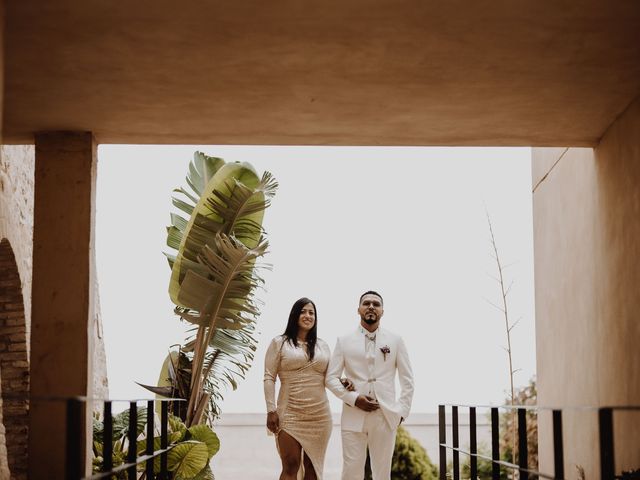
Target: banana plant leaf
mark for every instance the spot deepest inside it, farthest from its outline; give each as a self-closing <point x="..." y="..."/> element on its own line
<point x="233" y="200"/>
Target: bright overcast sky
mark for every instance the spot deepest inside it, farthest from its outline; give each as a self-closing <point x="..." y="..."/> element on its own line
<point x="407" y="222"/>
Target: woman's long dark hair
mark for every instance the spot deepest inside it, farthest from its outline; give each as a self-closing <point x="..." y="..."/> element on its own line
<point x="291" y="332"/>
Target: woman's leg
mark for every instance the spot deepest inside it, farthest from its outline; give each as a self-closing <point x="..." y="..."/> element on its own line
<point x="309" y="471"/>
<point x="290" y="451"/>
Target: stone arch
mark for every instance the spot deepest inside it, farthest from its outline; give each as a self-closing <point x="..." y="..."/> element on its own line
<point x="14" y="363"/>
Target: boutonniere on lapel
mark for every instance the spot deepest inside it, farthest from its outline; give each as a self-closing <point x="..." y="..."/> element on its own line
<point x="385" y="351"/>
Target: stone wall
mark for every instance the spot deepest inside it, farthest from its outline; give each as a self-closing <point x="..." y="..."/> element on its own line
<point x="14" y="365"/>
<point x="4" y="464"/>
<point x="16" y="212"/>
<point x="16" y="233"/>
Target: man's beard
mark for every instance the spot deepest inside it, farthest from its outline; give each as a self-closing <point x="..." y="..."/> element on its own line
<point x="370" y="321"/>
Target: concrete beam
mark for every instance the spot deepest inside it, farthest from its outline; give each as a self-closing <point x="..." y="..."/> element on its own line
<point x="326" y="72"/>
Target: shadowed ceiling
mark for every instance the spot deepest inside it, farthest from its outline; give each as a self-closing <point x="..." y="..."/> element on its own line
<point x="321" y="72"/>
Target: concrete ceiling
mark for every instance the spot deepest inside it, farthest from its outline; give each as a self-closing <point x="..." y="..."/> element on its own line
<point x="321" y="72"/>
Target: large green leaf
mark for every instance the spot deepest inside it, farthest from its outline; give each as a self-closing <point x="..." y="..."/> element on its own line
<point x="230" y="279"/>
<point x="176" y="425"/>
<point x="188" y="458"/>
<point x="172" y="437"/>
<point x="203" y="433"/>
<point x="205" y="474"/>
<point x="233" y="202"/>
<point x="98" y="430"/>
<point x="208" y="218"/>
<point x="121" y="422"/>
<point x="201" y="169"/>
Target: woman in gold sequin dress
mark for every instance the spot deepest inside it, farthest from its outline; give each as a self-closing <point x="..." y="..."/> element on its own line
<point x="301" y="419"/>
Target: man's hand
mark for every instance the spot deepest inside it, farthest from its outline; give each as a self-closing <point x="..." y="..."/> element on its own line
<point x="273" y="422"/>
<point x="348" y="384"/>
<point x="367" y="403"/>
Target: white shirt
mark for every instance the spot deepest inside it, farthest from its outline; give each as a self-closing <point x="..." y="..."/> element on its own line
<point x="370" y="355"/>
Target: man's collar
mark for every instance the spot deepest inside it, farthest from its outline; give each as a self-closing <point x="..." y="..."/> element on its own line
<point x="364" y="331"/>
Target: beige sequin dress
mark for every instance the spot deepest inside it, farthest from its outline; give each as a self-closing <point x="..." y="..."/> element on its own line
<point x="303" y="408"/>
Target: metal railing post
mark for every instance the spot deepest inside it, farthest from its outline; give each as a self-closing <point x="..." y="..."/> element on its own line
<point x="473" y="444"/>
<point x="523" y="451"/>
<point x="607" y="462"/>
<point x="75" y="433"/>
<point x="495" y="444"/>
<point x="150" y="440"/>
<point x="558" y="446"/>
<point x="456" y="443"/>
<point x="132" y="435"/>
<point x="164" y="420"/>
<point x="107" y="438"/>
<point x="443" y="440"/>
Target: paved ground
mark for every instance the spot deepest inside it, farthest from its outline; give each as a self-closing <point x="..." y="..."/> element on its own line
<point x="247" y="451"/>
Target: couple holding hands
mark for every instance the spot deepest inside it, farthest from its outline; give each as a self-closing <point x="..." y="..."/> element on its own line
<point x="369" y="357"/>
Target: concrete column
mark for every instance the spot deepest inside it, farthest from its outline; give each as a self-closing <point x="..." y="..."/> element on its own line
<point x="63" y="279"/>
<point x="586" y="209"/>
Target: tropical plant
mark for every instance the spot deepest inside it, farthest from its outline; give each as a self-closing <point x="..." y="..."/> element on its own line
<point x="410" y="460"/>
<point x="214" y="276"/>
<point x="191" y="448"/>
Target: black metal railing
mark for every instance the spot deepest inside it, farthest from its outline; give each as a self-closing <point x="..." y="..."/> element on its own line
<point x="606" y="443"/>
<point x="75" y="449"/>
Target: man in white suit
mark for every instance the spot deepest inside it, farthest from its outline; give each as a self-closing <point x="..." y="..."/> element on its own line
<point x="371" y="413"/>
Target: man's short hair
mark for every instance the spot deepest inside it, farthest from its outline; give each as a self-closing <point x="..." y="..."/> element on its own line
<point x="371" y="292"/>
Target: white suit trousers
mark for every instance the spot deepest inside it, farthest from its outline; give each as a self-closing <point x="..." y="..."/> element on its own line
<point x="379" y="437"/>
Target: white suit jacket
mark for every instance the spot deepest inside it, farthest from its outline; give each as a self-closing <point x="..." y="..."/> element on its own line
<point x="349" y="357"/>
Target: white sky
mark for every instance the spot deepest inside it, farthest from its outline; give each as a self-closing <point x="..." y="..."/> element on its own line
<point x="408" y="222"/>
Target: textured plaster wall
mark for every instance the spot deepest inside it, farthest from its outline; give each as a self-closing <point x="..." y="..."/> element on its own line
<point x="586" y="209"/>
<point x="100" y="379"/>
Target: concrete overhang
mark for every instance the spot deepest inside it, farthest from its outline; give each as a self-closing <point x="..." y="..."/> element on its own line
<point x="321" y="72"/>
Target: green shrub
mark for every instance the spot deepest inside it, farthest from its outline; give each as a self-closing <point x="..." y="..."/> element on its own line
<point x="410" y="460"/>
<point x="485" y="467"/>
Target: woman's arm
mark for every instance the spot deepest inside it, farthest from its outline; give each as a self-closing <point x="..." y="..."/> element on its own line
<point x="271" y="364"/>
